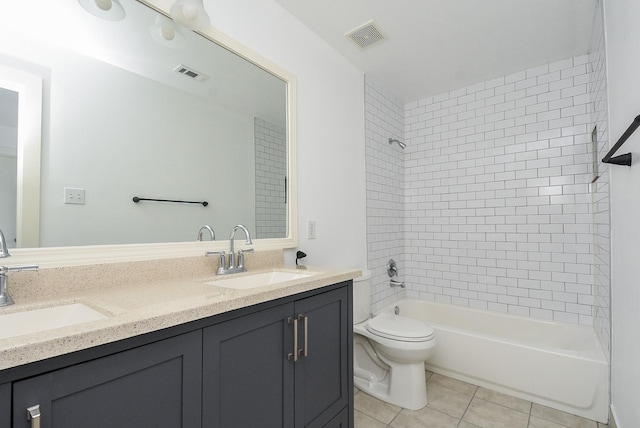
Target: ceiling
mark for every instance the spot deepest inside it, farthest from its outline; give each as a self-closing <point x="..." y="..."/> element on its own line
<point x="435" y="46"/>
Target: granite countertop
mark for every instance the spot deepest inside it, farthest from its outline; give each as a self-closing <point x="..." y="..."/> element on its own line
<point x="136" y="308"/>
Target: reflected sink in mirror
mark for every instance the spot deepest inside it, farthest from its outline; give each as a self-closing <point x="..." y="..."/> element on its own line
<point x="35" y="320"/>
<point x="262" y="279"/>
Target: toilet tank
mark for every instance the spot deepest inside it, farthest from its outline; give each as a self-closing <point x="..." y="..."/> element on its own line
<point x="362" y="297"/>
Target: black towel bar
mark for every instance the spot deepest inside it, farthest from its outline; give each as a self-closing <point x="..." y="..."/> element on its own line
<point x="626" y="158"/>
<point x="137" y="199"/>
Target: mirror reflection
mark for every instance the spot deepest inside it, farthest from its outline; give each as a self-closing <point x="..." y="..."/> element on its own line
<point x="140" y="107"/>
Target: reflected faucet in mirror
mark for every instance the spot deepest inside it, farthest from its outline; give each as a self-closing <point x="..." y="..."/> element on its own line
<point x="5" y="298"/>
<point x="211" y="232"/>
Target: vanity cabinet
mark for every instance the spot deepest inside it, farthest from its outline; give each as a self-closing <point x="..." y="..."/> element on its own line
<point x="156" y="385"/>
<point x="252" y="378"/>
<point x="5" y="405"/>
<point x="229" y="370"/>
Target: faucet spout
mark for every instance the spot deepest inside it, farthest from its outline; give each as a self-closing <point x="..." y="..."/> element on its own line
<point x="247" y="236"/>
<point x="4" y="252"/>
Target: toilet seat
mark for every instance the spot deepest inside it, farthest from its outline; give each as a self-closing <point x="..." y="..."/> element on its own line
<point x="397" y="327"/>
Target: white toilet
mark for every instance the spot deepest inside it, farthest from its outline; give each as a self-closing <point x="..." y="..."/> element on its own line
<point x="389" y="352"/>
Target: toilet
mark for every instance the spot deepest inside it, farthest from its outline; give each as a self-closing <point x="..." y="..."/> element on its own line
<point x="389" y="352"/>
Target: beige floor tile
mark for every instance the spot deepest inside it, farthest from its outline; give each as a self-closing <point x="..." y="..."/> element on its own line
<point x="562" y="418"/>
<point x="363" y="421"/>
<point x="535" y="422"/>
<point x="449" y="396"/>
<point x="424" y="417"/>
<point x="464" y="424"/>
<point x="491" y="415"/>
<point x="504" y="400"/>
<point x="377" y="409"/>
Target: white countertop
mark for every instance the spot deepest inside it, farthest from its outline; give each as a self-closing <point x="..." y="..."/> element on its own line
<point x="137" y="308"/>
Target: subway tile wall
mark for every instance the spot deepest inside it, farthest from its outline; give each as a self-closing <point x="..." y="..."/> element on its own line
<point x="384" y="119"/>
<point x="600" y="190"/>
<point x="271" y="169"/>
<point x="497" y="201"/>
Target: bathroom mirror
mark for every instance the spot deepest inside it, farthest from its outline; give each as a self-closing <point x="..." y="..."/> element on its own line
<point x="142" y="108"/>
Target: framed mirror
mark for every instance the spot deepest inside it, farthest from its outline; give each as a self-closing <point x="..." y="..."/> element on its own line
<point x="195" y="127"/>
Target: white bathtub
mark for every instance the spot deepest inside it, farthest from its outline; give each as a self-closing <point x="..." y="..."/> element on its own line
<point x="559" y="365"/>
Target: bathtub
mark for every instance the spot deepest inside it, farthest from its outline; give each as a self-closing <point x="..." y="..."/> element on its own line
<point x="559" y="365"/>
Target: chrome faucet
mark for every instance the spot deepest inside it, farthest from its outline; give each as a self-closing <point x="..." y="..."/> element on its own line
<point x="233" y="267"/>
<point x="5" y="299"/>
<point x="206" y="227"/>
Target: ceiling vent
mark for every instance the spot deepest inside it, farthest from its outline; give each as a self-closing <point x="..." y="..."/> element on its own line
<point x="365" y="35"/>
<point x="191" y="73"/>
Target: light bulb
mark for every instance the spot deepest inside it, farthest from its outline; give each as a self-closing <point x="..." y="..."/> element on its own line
<point x="190" y="12"/>
<point x="168" y="33"/>
<point x="105" y="5"/>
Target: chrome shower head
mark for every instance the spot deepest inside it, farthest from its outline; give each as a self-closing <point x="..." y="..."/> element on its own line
<point x="400" y="143"/>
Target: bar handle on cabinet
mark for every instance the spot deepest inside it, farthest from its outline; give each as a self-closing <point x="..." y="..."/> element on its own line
<point x="33" y="415"/>
<point x="293" y="356"/>
<point x="305" y="352"/>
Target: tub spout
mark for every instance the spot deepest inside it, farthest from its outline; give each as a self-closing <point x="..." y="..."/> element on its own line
<point x="395" y="283"/>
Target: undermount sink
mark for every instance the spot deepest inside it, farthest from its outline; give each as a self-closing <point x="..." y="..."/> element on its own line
<point x="247" y="282"/>
<point x="35" y="320"/>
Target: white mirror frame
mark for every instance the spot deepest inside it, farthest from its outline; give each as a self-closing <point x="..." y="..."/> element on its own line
<point x="94" y="254"/>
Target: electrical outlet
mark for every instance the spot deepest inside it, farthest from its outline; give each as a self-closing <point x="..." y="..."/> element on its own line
<point x="73" y="196"/>
<point x="311" y="229"/>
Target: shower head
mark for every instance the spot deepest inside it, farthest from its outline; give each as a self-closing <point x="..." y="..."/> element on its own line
<point x="400" y="143"/>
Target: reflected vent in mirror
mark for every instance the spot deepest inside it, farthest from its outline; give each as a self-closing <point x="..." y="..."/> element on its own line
<point x="191" y="73"/>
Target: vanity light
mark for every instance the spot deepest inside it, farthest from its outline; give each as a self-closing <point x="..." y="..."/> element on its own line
<point x="190" y="13"/>
<point x="111" y="10"/>
<point x="167" y="33"/>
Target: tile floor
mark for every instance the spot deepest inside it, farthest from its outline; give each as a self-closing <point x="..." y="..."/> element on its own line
<point x="453" y="403"/>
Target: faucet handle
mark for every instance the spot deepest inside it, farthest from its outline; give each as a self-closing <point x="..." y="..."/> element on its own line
<point x="20" y="267"/>
<point x="222" y="262"/>
<point x="241" y="256"/>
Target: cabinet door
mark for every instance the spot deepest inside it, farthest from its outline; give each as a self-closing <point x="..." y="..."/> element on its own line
<point x="322" y="377"/>
<point x="156" y="385"/>
<point x="5" y="405"/>
<point x="247" y="378"/>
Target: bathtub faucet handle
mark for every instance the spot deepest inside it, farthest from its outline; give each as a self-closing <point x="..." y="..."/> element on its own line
<point x="392" y="268"/>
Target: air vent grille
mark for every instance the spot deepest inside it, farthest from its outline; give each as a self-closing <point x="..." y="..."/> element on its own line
<point x="365" y="35"/>
<point x="191" y="73"/>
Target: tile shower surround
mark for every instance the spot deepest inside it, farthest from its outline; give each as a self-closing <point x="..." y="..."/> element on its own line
<point x="497" y="205"/>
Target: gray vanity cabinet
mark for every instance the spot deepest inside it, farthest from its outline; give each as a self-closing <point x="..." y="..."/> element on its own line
<point x="250" y="378"/>
<point x="5" y="405"/>
<point x="155" y="385"/>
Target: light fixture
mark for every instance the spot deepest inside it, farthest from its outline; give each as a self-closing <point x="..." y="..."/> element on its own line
<point x="190" y="13"/>
<point x="111" y="10"/>
<point x="167" y="33"/>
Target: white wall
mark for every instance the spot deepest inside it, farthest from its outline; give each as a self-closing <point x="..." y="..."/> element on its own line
<point x="623" y="66"/>
<point x="331" y="178"/>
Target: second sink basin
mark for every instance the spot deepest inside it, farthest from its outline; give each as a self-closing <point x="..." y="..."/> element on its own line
<point x="247" y="282"/>
<point x="32" y="321"/>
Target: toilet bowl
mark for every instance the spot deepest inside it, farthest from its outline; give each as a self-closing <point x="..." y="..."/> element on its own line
<point x="389" y="352"/>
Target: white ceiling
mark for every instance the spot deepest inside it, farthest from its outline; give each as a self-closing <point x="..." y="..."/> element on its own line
<point x="434" y="46"/>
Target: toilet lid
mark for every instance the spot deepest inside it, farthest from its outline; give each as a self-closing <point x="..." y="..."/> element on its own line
<point x="398" y="327"/>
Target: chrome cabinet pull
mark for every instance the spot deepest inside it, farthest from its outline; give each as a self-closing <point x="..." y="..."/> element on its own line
<point x="305" y="352"/>
<point x="294" y="356"/>
<point x="33" y="415"/>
